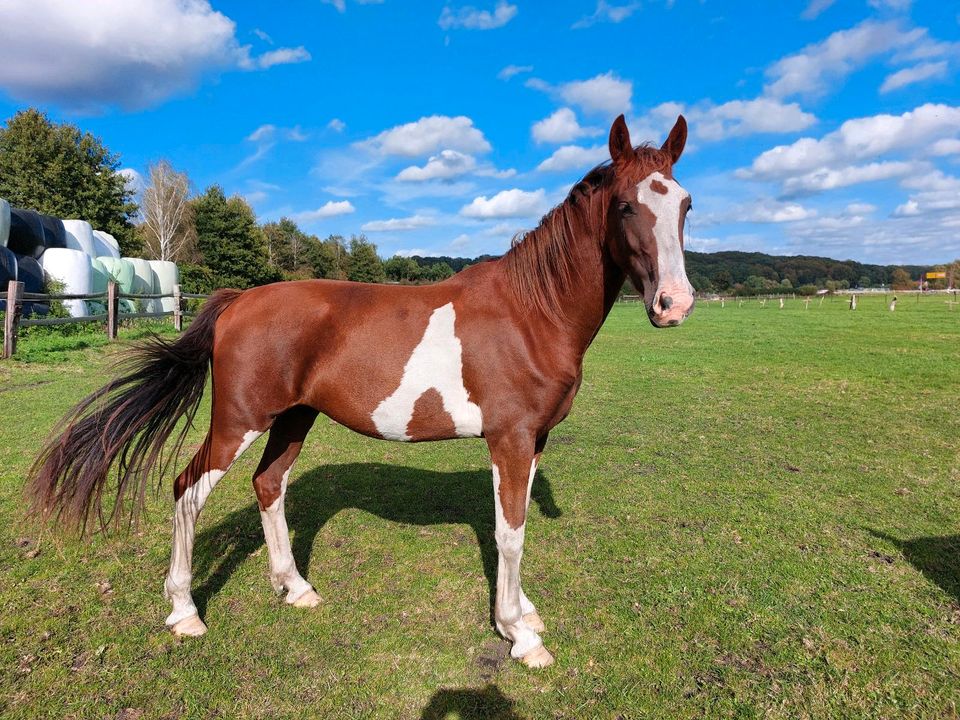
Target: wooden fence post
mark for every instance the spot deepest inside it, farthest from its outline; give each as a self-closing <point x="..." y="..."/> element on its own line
<point x="11" y="321"/>
<point x="177" y="308"/>
<point x="113" y="310"/>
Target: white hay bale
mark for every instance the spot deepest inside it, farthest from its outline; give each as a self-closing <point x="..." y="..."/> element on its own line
<point x="167" y="276"/>
<point x="4" y="222"/>
<point x="105" y="244"/>
<point x="144" y="282"/>
<point x="80" y="237"/>
<point x="73" y="269"/>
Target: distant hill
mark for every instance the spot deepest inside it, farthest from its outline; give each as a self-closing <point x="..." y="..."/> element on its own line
<point x="725" y="271"/>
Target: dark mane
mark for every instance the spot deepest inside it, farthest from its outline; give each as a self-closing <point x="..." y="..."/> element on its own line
<point x="541" y="263"/>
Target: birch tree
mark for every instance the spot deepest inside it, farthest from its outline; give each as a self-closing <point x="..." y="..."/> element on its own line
<point x="166" y="212"/>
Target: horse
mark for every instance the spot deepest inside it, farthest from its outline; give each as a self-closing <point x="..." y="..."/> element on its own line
<point x="496" y="351"/>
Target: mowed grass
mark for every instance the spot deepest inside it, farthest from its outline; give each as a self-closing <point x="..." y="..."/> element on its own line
<point x="756" y="514"/>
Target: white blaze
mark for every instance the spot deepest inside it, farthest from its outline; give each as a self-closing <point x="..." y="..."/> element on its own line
<point x="435" y="364"/>
<point x="666" y="209"/>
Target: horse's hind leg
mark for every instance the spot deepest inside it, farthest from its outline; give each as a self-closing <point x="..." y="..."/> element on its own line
<point x="191" y="489"/>
<point x="270" y="483"/>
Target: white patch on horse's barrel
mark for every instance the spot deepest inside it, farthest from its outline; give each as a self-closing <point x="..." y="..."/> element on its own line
<point x="436" y="363"/>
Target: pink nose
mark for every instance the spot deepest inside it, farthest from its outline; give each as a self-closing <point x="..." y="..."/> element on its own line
<point x="669" y="310"/>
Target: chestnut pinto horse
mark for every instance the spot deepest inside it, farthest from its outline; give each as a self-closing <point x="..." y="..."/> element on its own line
<point x="495" y="352"/>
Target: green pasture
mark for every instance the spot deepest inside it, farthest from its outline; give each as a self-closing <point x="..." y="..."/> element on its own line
<point x="754" y="515"/>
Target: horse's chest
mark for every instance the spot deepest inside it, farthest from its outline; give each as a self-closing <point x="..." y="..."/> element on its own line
<point x="431" y="402"/>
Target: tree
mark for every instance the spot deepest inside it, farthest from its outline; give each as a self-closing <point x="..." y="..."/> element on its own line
<point x="229" y="241"/>
<point x="60" y="171"/>
<point x="328" y="258"/>
<point x="286" y="245"/>
<point x="439" y="271"/>
<point x="900" y="279"/>
<point x="167" y="220"/>
<point x="402" y="269"/>
<point x="364" y="264"/>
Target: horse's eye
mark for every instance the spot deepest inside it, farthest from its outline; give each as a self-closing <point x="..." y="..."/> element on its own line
<point x="626" y="208"/>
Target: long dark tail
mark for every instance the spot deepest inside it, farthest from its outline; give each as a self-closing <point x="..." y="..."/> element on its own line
<point x="128" y="420"/>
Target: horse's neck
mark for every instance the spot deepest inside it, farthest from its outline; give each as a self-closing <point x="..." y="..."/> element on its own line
<point x="587" y="298"/>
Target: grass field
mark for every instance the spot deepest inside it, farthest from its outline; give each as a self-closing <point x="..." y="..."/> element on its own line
<point x="756" y="514"/>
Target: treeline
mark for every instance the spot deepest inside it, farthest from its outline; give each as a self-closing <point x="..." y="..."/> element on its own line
<point x="746" y="273"/>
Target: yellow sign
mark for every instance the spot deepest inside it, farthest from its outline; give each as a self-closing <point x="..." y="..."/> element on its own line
<point x="938" y="275"/>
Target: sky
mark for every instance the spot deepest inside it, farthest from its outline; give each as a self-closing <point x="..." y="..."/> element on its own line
<point x="817" y="127"/>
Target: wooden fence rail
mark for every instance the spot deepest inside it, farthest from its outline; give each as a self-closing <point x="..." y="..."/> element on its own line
<point x="15" y="298"/>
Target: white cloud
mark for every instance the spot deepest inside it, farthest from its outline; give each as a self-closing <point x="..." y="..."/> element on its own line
<point x="738" y="118"/>
<point x="337" y="125"/>
<point x="772" y="211"/>
<point x="413" y="222"/>
<point x="858" y="140"/>
<point x="815" y="7"/>
<point x="133" y="181"/>
<point x="471" y="18"/>
<point x="561" y="127"/>
<point x="447" y="164"/>
<point x="86" y="56"/>
<point x="341" y="5"/>
<point x="895" y="5"/>
<point x="280" y="56"/>
<point x="605" y="94"/>
<point x="910" y="207"/>
<point x="935" y="191"/>
<point x="833" y="178"/>
<point x="574" y="157"/>
<point x="330" y="209"/>
<point x="606" y="12"/>
<point x="915" y="74"/>
<point x="507" y="204"/>
<point x="860" y="209"/>
<point x="510" y="70"/>
<point x="428" y="135"/>
<point x="947" y="146"/>
<point x="812" y="70"/>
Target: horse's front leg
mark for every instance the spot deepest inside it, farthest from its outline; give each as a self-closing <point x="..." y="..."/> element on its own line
<point x="514" y="464"/>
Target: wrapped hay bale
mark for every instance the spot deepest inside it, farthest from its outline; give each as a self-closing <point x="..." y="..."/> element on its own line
<point x="99" y="277"/>
<point x="121" y="270"/>
<point x="80" y="236"/>
<point x="72" y="268"/>
<point x="8" y="271"/>
<point x="54" y="234"/>
<point x="4" y="222"/>
<point x="30" y="274"/>
<point x="105" y="244"/>
<point x="167" y="276"/>
<point x="144" y="282"/>
<point x="26" y="234"/>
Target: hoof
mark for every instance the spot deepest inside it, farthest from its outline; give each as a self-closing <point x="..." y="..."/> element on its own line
<point x="308" y="600"/>
<point x="534" y="622"/>
<point x="539" y="657"/>
<point x="189" y="627"/>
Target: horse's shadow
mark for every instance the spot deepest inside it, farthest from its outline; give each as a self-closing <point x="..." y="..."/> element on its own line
<point x="399" y="494"/>
<point x="936" y="557"/>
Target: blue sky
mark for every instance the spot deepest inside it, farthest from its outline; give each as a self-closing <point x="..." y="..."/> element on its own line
<point x="818" y="127"/>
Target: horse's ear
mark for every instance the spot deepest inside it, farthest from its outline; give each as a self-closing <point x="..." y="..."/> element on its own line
<point x="620" y="147"/>
<point x="676" y="140"/>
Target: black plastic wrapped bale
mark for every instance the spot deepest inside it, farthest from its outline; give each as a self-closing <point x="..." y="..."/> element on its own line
<point x="30" y="274"/>
<point x="54" y="234"/>
<point x="8" y="271"/>
<point x="27" y="236"/>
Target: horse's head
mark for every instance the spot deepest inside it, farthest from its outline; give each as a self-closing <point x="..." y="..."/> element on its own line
<point x="645" y="222"/>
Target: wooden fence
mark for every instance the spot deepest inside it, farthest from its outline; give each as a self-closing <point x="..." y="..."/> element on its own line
<point x="16" y="297"/>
